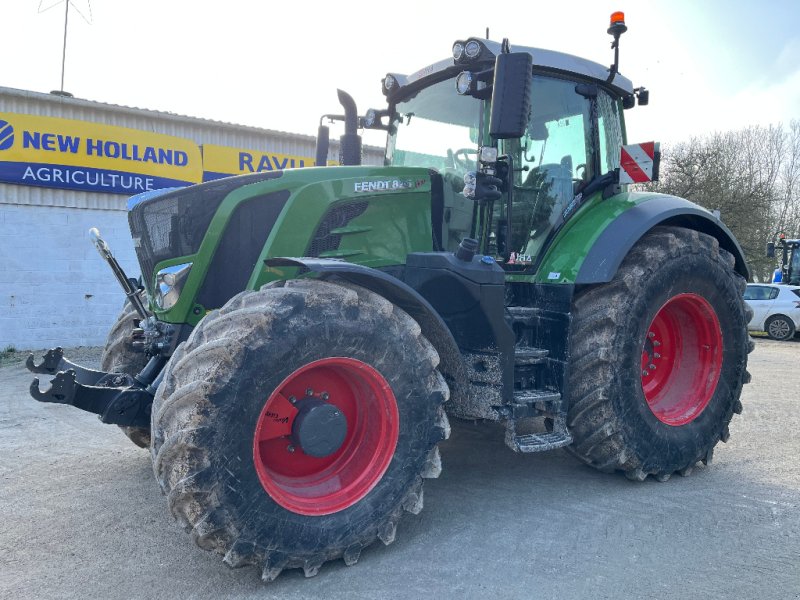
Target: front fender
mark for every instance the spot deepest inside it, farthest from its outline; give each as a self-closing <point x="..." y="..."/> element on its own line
<point x="395" y="291"/>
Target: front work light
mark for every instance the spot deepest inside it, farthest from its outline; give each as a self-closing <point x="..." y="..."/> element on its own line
<point x="487" y="155"/>
<point x="464" y="82"/>
<point x="458" y="50"/>
<point x="389" y="83"/>
<point x="472" y="49"/>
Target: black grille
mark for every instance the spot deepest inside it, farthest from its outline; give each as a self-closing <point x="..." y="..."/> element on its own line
<point x="175" y="224"/>
<point x="338" y="216"/>
<point x="237" y="252"/>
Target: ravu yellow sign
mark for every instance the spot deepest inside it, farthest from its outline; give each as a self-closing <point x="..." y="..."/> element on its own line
<point x="223" y="161"/>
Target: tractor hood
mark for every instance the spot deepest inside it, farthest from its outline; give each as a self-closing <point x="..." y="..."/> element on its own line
<point x="218" y="234"/>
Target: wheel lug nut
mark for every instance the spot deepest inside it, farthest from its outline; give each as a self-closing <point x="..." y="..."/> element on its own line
<point x="324" y="395"/>
<point x="651" y="366"/>
<point x="290" y="448"/>
<point x="656" y="343"/>
<point x="651" y="335"/>
<point x="292" y="399"/>
<point x="645" y="372"/>
<point x="309" y="392"/>
<point x="656" y="355"/>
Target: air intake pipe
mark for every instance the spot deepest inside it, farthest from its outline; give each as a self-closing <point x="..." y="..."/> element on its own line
<point x="350" y="149"/>
<point x="323" y="141"/>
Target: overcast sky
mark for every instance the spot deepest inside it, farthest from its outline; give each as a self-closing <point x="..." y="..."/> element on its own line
<point x="710" y="65"/>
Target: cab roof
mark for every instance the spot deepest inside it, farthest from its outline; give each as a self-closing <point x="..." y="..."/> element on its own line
<point x="543" y="60"/>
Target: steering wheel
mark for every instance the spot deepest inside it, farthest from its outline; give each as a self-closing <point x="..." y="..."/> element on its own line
<point x="581" y="176"/>
<point x="461" y="159"/>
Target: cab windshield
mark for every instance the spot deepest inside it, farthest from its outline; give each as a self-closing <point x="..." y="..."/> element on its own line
<point x="436" y="128"/>
<point x="552" y="162"/>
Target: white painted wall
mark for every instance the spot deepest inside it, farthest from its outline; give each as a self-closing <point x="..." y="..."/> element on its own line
<point x="55" y="290"/>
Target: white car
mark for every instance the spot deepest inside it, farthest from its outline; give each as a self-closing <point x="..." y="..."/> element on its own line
<point x="776" y="309"/>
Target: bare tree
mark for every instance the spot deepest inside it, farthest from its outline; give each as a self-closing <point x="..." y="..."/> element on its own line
<point x="752" y="176"/>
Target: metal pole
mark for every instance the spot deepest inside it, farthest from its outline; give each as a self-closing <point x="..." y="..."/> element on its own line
<point x="64" y="50"/>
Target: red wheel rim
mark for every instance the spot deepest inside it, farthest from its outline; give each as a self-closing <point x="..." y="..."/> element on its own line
<point x="681" y="359"/>
<point x="309" y="485"/>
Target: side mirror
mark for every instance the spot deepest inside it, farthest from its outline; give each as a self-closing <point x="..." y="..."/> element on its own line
<point x="511" y="95"/>
<point x="770" y="249"/>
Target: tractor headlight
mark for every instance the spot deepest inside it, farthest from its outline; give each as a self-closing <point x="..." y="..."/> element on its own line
<point x="169" y="283"/>
<point x="458" y="51"/>
<point x="389" y="83"/>
<point x="370" y="118"/>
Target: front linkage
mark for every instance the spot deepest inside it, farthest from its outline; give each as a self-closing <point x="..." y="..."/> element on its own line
<point x="117" y="398"/>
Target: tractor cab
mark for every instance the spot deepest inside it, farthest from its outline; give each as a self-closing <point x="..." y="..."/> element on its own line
<point x="567" y="129"/>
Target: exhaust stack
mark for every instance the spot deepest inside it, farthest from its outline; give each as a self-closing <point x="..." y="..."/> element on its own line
<point x="350" y="151"/>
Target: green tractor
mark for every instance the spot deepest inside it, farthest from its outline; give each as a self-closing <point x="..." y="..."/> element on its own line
<point x="303" y="335"/>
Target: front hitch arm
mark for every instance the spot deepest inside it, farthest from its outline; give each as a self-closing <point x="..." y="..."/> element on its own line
<point x="55" y="362"/>
<point x="116" y="398"/>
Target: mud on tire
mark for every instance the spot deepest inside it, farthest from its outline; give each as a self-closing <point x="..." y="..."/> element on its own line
<point x="619" y="418"/>
<point x="119" y="356"/>
<point x="207" y="411"/>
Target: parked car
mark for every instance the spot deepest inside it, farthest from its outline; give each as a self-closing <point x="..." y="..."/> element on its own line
<point x="776" y="309"/>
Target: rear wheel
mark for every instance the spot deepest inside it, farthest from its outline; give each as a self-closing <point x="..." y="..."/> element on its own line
<point x="296" y="424"/>
<point x="659" y="357"/>
<point x="780" y="327"/>
<point x="119" y="356"/>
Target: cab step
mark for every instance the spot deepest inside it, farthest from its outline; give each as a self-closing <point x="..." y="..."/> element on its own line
<point x="528" y="355"/>
<point x="538" y="442"/>
<point x="528" y="397"/>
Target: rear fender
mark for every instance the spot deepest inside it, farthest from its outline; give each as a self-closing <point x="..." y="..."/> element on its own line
<point x="613" y="244"/>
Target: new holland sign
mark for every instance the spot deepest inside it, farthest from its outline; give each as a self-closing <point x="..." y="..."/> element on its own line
<point x="79" y="155"/>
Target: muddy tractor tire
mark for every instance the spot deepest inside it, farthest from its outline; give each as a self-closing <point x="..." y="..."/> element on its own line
<point x="658" y="358"/>
<point x="119" y="356"/>
<point x="296" y="425"/>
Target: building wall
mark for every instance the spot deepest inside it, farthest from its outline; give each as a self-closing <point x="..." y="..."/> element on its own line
<point x="55" y="290"/>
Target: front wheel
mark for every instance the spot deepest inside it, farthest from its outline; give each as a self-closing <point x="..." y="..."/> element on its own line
<point x="659" y="357"/>
<point x="296" y="423"/>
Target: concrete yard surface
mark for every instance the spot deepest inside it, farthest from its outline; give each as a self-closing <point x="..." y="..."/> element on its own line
<point x="83" y="516"/>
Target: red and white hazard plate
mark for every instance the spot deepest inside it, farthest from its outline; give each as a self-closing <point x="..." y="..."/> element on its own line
<point x="636" y="162"/>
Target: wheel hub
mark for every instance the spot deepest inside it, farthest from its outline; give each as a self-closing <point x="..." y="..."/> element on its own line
<point x="326" y="436"/>
<point x="319" y="427"/>
<point x="681" y="359"/>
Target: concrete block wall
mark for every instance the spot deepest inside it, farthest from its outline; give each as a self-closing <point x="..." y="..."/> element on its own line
<point x="55" y="290"/>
